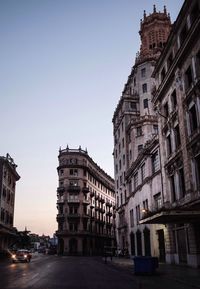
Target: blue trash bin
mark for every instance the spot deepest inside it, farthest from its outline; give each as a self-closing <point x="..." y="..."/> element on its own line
<point x="145" y="264"/>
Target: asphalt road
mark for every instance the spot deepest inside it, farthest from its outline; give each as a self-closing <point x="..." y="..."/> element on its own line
<point x="55" y="272"/>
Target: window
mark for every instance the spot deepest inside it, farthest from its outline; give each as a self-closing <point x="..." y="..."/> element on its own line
<point x="155" y="162"/>
<point x="166" y="109"/>
<point x="143" y="172"/>
<point x="193" y="118"/>
<point x="170" y="60"/>
<point x="130" y="187"/>
<point x="155" y="129"/>
<point x="131" y="218"/>
<point x="194" y="13"/>
<point x="197" y="170"/>
<point x="134" y="81"/>
<point x="183" y="34"/>
<point x="177" y="136"/>
<point x="182" y="182"/>
<point x="137" y="214"/>
<point x="145" y="103"/>
<point x="174" y="99"/>
<point x="169" y="145"/>
<point x="73" y="227"/>
<point x="120" y="180"/>
<point x="143" y="72"/>
<point x="144" y="88"/>
<point x="145" y="205"/>
<point x="140" y="147"/>
<point x="73" y="183"/>
<point x="133" y="106"/>
<point x="139" y="130"/>
<point x="61" y="172"/>
<point x="157" y="201"/>
<point x="173" y="188"/>
<point x="129" y="137"/>
<point x="119" y="148"/>
<point x="135" y="180"/>
<point x="188" y="78"/>
<point x="120" y="164"/>
<point x="197" y="64"/>
<point x="73" y="172"/>
<point x="123" y="142"/>
<point x="116" y="168"/>
<point x="163" y="74"/>
<point x="130" y="154"/>
<point x="124" y="160"/>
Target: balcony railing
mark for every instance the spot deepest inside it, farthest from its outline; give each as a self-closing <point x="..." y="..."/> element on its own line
<point x="75" y="216"/>
<point x="74" y="188"/>
<point x="60" y="217"/>
<point x="60" y="200"/>
<point x="72" y="201"/>
<point x="85" y="190"/>
<point x="61" y="189"/>
<point x="86" y="202"/>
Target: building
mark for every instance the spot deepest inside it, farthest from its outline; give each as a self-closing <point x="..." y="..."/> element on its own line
<point x="138" y="181"/>
<point x="86" y="205"/>
<point x="176" y="98"/>
<point x="8" y="179"/>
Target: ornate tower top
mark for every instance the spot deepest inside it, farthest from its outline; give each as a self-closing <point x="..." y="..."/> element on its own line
<point x="154" y="31"/>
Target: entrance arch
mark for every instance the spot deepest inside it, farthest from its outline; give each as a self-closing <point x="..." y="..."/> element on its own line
<point x="73" y="246"/>
<point x="147" y="242"/>
<point x="60" y="246"/>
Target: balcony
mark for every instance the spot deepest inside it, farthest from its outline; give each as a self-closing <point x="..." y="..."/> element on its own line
<point x="171" y="215"/>
<point x="102" y="200"/>
<point x="108" y="204"/>
<point x="91" y="194"/>
<point x="60" y="200"/>
<point x="60" y="189"/>
<point x="85" y="216"/>
<point x="60" y="217"/>
<point x="74" y="188"/>
<point x="109" y="214"/>
<point x="85" y="190"/>
<point x="73" y="216"/>
<point x="122" y="225"/>
<point x="86" y="202"/>
<point x="73" y="201"/>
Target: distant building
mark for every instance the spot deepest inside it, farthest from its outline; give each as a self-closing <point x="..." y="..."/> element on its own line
<point x="176" y="98"/>
<point x="138" y="181"/>
<point x="86" y="205"/>
<point x="8" y="179"/>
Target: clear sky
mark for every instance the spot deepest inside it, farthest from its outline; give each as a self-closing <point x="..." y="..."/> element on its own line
<point x="63" y="66"/>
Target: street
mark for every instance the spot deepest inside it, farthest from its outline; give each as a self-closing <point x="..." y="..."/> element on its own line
<point x="56" y="272"/>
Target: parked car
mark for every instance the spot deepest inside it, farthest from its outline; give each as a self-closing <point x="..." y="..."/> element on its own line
<point x="21" y="255"/>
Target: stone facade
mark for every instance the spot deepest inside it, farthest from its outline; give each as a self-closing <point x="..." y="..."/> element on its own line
<point x="138" y="181"/>
<point x="86" y="205"/>
<point x="177" y="102"/>
<point x="8" y="179"/>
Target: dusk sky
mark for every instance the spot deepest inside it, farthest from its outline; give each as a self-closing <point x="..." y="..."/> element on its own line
<point x="63" y="66"/>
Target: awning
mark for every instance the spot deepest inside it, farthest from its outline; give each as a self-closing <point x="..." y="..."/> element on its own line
<point x="172" y="216"/>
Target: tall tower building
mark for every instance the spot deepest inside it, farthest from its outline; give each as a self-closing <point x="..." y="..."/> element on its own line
<point x="8" y="179"/>
<point x="138" y="182"/>
<point x="86" y="205"/>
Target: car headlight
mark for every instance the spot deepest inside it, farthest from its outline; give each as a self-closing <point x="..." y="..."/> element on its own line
<point x="13" y="256"/>
<point x="25" y="256"/>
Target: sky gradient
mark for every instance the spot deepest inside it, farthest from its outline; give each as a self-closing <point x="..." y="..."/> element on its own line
<point x="63" y="66"/>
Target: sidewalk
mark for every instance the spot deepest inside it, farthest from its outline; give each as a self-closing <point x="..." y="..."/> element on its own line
<point x="167" y="276"/>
